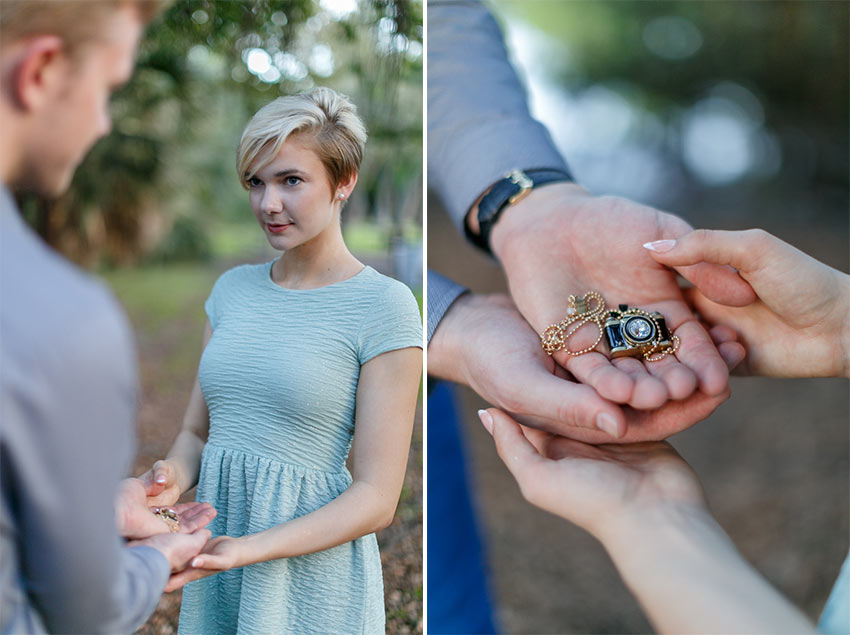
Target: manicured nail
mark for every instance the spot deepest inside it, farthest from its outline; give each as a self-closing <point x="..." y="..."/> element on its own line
<point x="660" y="246"/>
<point x="160" y="478"/>
<point x="487" y="420"/>
<point x="607" y="424"/>
<point x="197" y="562"/>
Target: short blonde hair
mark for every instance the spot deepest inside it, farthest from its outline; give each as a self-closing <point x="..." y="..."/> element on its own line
<point x="77" y="22"/>
<point x="329" y="119"/>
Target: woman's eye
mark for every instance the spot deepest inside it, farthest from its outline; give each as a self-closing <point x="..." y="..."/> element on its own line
<point x="254" y="182"/>
<point x="292" y="180"/>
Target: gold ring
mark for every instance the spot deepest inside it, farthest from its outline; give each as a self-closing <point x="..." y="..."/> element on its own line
<point x="169" y="517"/>
<point x="629" y="332"/>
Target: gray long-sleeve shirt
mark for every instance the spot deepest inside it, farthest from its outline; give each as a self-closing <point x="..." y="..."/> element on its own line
<point x="479" y="126"/>
<point x="67" y="404"/>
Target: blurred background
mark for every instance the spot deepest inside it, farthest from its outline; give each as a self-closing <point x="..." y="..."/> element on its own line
<point x="157" y="208"/>
<point x="732" y="115"/>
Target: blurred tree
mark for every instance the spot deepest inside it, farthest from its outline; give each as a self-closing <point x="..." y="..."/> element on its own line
<point x="204" y="67"/>
<point x="783" y="62"/>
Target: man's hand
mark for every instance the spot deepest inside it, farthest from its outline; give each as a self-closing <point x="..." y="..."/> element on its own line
<point x="483" y="342"/>
<point x="799" y="323"/>
<point x="135" y="519"/>
<point x="559" y="240"/>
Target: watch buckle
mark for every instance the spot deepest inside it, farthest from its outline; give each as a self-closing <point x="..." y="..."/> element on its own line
<point x="520" y="178"/>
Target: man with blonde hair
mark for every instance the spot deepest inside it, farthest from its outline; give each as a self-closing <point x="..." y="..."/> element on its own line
<point x="67" y="367"/>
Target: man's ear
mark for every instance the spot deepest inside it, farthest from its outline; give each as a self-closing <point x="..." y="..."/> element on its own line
<point x="40" y="65"/>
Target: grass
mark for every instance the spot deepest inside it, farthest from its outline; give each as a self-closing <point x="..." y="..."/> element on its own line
<point x="165" y="304"/>
<point x="159" y="294"/>
<point x="231" y="241"/>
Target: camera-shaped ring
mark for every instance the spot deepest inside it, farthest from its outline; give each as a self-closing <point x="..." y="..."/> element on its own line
<point x="634" y="332"/>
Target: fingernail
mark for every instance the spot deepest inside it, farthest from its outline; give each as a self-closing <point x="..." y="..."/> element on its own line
<point x="160" y="479"/>
<point x="607" y="424"/>
<point x="197" y="562"/>
<point x="487" y="420"/>
<point x="660" y="246"/>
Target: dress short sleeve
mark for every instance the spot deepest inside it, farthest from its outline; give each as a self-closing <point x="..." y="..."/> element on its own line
<point x="393" y="322"/>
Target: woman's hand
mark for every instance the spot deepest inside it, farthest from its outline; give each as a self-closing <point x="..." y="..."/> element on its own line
<point x="161" y="484"/>
<point x="600" y="488"/>
<point x="646" y="506"/>
<point x="135" y="520"/>
<point x="178" y="549"/>
<point x="798" y="325"/>
<point x="219" y="554"/>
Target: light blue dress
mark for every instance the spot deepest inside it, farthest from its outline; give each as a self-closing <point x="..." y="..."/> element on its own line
<point x="279" y="377"/>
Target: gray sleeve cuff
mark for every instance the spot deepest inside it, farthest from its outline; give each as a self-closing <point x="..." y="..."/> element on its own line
<point x="147" y="572"/>
<point x="479" y="126"/>
<point x="442" y="293"/>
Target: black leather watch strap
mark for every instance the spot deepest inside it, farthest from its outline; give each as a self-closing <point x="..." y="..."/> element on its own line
<point x="507" y="191"/>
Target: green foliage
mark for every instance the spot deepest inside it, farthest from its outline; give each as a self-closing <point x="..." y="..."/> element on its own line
<point x="781" y="47"/>
<point x="364" y="238"/>
<point x="790" y="56"/>
<point x="186" y="241"/>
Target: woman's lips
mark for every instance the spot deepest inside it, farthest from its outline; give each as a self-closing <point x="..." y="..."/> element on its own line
<point x="278" y="228"/>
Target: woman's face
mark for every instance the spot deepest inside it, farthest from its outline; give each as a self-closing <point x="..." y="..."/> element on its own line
<point x="292" y="198"/>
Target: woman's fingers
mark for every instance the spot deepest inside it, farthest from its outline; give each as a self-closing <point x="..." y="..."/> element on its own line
<point x="182" y="578"/>
<point x="211" y="561"/>
<point x="704" y="256"/>
<point x="540" y="480"/>
<point x="157" y="478"/>
<point x="161" y="484"/>
<point x="163" y="474"/>
<point x="515" y="450"/>
<point x="721" y="283"/>
<point x="706" y="245"/>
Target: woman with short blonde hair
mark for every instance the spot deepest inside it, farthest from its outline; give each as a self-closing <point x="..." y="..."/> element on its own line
<point x="304" y="356"/>
<point x="329" y="118"/>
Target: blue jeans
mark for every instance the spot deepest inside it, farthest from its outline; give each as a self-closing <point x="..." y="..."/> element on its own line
<point x="458" y="593"/>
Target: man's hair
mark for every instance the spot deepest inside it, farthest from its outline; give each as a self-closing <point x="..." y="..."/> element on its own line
<point x="77" y="22"/>
<point x="325" y="117"/>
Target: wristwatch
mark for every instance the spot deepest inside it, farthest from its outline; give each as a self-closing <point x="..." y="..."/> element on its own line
<point x="512" y="188"/>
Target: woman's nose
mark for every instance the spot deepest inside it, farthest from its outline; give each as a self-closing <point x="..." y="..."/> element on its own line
<point x="272" y="203"/>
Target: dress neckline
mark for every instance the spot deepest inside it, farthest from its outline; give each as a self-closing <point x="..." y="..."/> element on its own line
<point x="332" y="285"/>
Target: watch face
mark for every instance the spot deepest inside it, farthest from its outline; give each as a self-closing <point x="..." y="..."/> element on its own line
<point x="639" y="330"/>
